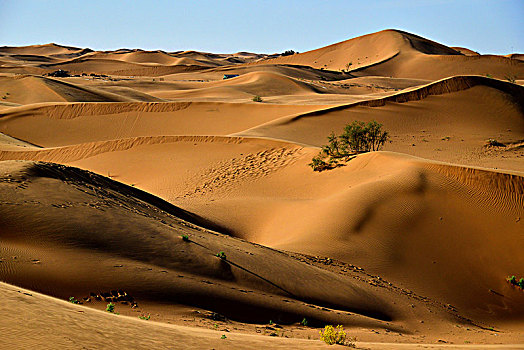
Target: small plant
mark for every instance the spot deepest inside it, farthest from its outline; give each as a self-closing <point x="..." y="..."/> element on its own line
<point x="223" y="336"/>
<point x="494" y="143"/>
<point x="348" y="65"/>
<point x="489" y="76"/>
<point x="332" y="335"/>
<point x="110" y="307"/>
<point x="73" y="300"/>
<point x="304" y="322"/>
<point x="216" y="326"/>
<point x="288" y="53"/>
<point x="185" y="238"/>
<point x="511" y="78"/>
<point x="270" y="322"/>
<point x="221" y="255"/>
<point x="513" y="280"/>
<point x="257" y="99"/>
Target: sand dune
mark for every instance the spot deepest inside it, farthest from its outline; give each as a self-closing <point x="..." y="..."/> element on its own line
<point x="103" y="172"/>
<point x="51" y="49"/>
<point x="399" y="54"/>
<point x="428" y="121"/>
<point x="45" y="124"/>
<point x="28" y="89"/>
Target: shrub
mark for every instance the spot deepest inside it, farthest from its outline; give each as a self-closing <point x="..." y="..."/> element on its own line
<point x="73" y="300"/>
<point x="304" y="322"/>
<point x="223" y="336"/>
<point x="332" y="335"/>
<point x="494" y="143"/>
<point x="221" y="255"/>
<point x="318" y="163"/>
<point x="257" y="99"/>
<point x="110" y="307"/>
<point x="513" y="280"/>
<point x="361" y="137"/>
<point x="144" y="317"/>
<point x="511" y="78"/>
<point x="288" y="53"/>
<point x="185" y="238"/>
<point x="357" y="137"/>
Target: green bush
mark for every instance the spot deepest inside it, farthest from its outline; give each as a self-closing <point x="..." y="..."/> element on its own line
<point x="144" y="317"/>
<point x="257" y="99"/>
<point x="221" y="255"/>
<point x="513" y="280"/>
<point x="73" y="300"/>
<point x="357" y="137"/>
<point x="304" y="322"/>
<point x="110" y="307"/>
<point x="332" y="335"/>
<point x="185" y="238"/>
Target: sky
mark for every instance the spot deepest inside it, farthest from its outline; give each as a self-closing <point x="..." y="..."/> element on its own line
<point x="263" y="26"/>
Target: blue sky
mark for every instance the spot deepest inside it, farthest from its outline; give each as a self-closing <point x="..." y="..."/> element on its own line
<point x="268" y="26"/>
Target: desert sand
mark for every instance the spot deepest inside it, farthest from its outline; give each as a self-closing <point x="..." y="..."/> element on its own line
<point x="122" y="181"/>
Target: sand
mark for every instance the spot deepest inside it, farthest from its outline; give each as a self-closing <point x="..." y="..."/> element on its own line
<point x="103" y="174"/>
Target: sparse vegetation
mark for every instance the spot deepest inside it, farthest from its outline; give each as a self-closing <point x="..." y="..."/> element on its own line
<point x="73" y="300"/>
<point x="185" y="238"/>
<point x="288" y="53"/>
<point x="257" y="98"/>
<point x="348" y="65"/>
<point x="511" y="78"/>
<point x="222" y="255"/>
<point x="494" y="143"/>
<point x="223" y="336"/>
<point x="145" y="317"/>
<point x="304" y="322"/>
<point x="513" y="281"/>
<point x="331" y="335"/>
<point x="110" y="307"/>
<point x="357" y="137"/>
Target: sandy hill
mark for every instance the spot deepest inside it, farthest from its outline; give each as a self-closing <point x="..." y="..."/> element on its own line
<point x="42" y="50"/>
<point x="28" y="89"/>
<point x="399" y="54"/>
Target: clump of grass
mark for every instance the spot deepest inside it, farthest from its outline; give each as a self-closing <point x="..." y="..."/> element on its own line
<point x="513" y="280"/>
<point x="336" y="335"/>
<point x="511" y="78"/>
<point x="222" y="255"/>
<point x="304" y="322"/>
<point x="494" y="143"/>
<point x="110" y="307"/>
<point x="223" y="336"/>
<point x="73" y="300"/>
<point x="185" y="238"/>
<point x="257" y="98"/>
<point x="145" y="317"/>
